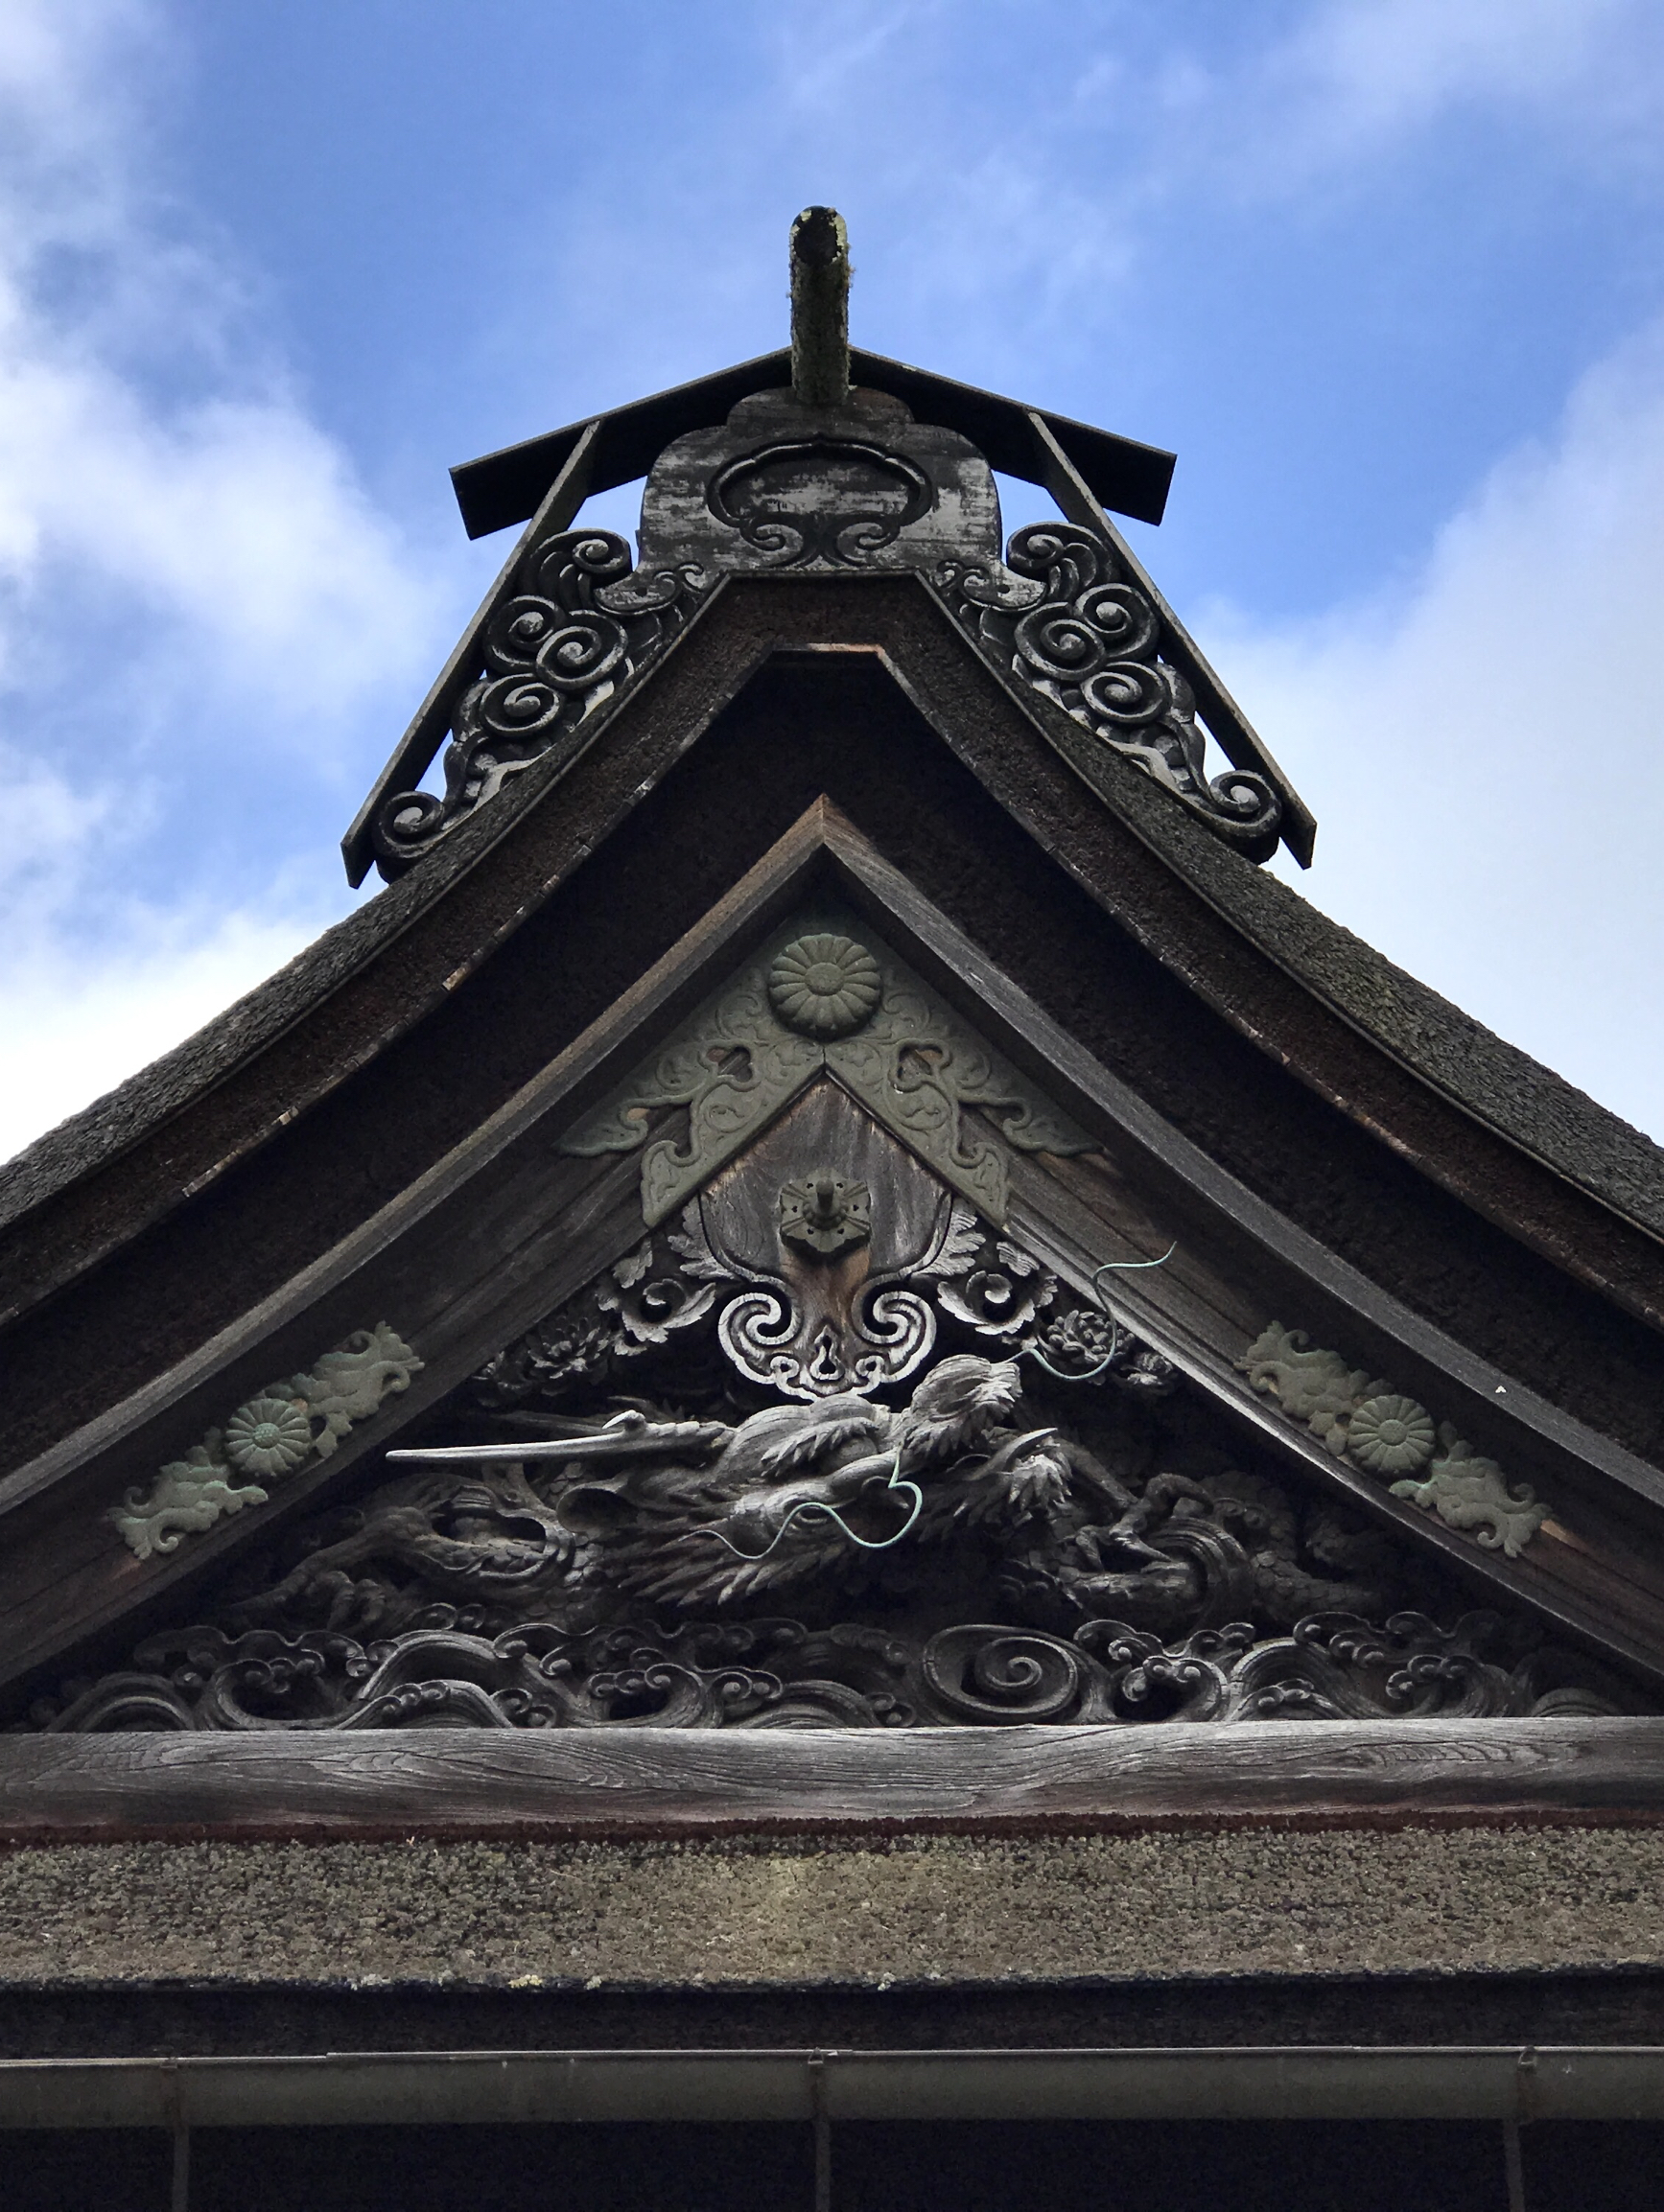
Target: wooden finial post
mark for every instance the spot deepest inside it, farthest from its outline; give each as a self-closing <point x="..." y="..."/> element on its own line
<point x="820" y="308"/>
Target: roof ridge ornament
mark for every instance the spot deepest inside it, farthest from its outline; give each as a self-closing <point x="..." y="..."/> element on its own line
<point x="820" y="308"/>
<point x="748" y="474"/>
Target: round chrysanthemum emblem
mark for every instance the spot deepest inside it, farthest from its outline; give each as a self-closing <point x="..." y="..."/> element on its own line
<point x="268" y="1436"/>
<point x="1391" y="1436"/>
<point x="825" y="986"/>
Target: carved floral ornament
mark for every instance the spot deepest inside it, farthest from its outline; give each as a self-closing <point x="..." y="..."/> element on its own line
<point x="1395" y="1438"/>
<point x="820" y="1000"/>
<point x="302" y="1418"/>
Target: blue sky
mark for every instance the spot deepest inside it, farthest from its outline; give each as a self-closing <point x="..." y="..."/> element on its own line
<point x="1387" y="274"/>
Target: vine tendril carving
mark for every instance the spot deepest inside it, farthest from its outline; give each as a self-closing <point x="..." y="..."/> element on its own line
<point x="580" y="628"/>
<point x="1058" y="617"/>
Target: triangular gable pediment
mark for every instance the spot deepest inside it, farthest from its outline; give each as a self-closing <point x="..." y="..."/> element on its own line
<point x="516" y="1224"/>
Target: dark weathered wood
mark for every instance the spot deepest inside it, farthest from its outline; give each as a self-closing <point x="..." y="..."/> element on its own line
<point x="506" y="486"/>
<point x="411" y="758"/>
<point x="1177" y="1178"/>
<point x="364" y="991"/>
<point x="1060" y="471"/>
<point x="484" y="1243"/>
<point x="623" y="1781"/>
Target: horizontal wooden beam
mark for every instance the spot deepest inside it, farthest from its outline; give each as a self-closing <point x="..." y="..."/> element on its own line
<point x="504" y="487"/>
<point x="628" y="1781"/>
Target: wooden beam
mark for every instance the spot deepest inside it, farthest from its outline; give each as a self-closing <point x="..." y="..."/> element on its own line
<point x="504" y="487"/>
<point x="628" y="1782"/>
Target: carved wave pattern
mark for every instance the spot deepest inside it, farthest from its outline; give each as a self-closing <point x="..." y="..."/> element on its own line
<point x="779" y="1674"/>
<point x="580" y="626"/>
<point x="1061" y="619"/>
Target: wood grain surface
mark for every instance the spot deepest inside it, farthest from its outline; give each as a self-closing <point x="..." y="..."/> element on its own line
<point x="625" y="1781"/>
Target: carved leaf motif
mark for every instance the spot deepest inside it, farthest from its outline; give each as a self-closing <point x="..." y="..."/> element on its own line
<point x="189" y="1495"/>
<point x="349" y="1384"/>
<point x="1471" y="1493"/>
<point x="1387" y="1435"/>
<point x="910" y="1062"/>
<point x="1313" y="1387"/>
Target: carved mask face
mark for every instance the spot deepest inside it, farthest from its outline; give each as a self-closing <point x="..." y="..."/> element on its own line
<point x="826" y="1214"/>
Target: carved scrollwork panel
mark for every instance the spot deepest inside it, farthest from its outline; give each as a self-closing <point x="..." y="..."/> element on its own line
<point x="578" y="631"/>
<point x="1060" y="619"/>
<point x="778" y="1673"/>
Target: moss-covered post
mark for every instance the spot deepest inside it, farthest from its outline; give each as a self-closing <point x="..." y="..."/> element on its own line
<point x="820" y="308"/>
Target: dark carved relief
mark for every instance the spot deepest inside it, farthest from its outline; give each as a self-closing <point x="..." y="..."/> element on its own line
<point x="811" y="1284"/>
<point x="580" y="628"/>
<point x="992" y="1549"/>
<point x="1061" y="619"/>
<point x="832" y="1449"/>
<point x="782" y="485"/>
<point x="829" y="502"/>
<point x="612" y="1523"/>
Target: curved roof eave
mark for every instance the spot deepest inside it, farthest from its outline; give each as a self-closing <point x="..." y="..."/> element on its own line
<point x="1494" y="1082"/>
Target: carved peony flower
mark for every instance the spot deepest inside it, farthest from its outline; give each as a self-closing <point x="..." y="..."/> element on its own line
<point x="1391" y="1436"/>
<point x="825" y="986"/>
<point x="268" y="1436"/>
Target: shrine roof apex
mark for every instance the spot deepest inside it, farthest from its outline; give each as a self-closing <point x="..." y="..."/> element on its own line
<point x="507" y="487"/>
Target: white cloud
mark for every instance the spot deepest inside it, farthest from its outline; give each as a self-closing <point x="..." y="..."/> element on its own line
<point x="198" y="601"/>
<point x="151" y="453"/>
<point x="1484" y="747"/>
<point x="72" y="1034"/>
<point x="1354" y="76"/>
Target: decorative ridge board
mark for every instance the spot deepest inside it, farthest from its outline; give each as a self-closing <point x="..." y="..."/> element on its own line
<point x="568" y="643"/>
<point x="1064" y="617"/>
<point x="821" y="998"/>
